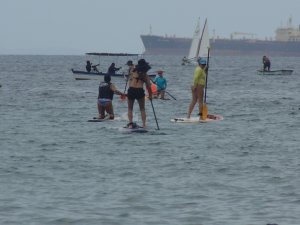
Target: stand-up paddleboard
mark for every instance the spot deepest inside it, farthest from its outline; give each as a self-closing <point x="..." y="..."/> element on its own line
<point x="135" y="129"/>
<point x="96" y="119"/>
<point x="210" y="118"/>
<point x="147" y="98"/>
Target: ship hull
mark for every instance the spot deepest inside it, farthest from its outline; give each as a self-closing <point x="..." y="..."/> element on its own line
<point x="158" y="45"/>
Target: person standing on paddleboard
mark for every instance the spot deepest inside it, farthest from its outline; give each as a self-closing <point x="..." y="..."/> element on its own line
<point x="130" y="66"/>
<point x="136" y="91"/>
<point x="129" y="71"/>
<point x="266" y="63"/>
<point x="105" y="97"/>
<point x="198" y="86"/>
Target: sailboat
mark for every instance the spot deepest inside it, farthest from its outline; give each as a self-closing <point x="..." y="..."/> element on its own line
<point x="199" y="46"/>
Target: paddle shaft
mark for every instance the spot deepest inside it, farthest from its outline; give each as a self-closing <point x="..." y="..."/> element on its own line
<point x="204" y="107"/>
<point x="171" y="95"/>
<point x="154" y="114"/>
<point x="126" y="83"/>
<point x="206" y="75"/>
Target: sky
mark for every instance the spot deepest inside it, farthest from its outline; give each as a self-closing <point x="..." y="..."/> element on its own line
<point x="74" y="27"/>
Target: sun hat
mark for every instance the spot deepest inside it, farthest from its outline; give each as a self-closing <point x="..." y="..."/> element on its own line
<point x="142" y="66"/>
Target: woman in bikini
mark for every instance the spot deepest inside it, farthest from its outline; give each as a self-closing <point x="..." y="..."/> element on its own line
<point x="105" y="98"/>
<point x="137" y="79"/>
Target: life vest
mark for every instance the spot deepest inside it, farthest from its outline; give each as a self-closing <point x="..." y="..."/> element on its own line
<point x="105" y="91"/>
<point x="153" y="88"/>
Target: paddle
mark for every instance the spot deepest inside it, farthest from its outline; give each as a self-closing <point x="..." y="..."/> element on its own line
<point x="154" y="114"/>
<point x="204" y="107"/>
<point x="123" y="97"/>
<point x="171" y="95"/>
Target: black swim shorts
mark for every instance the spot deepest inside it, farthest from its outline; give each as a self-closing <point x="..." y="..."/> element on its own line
<point x="135" y="93"/>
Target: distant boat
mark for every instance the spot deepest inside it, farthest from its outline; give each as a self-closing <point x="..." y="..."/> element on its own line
<point x="285" y="43"/>
<point x="199" y="46"/>
<point x="84" y="75"/>
<point x="194" y="51"/>
<point x="96" y="75"/>
<point x="275" y="72"/>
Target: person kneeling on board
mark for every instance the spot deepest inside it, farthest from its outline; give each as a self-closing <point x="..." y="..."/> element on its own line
<point x="105" y="97"/>
<point x="161" y="84"/>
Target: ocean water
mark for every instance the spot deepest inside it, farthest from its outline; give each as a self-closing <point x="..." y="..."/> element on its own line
<point x="56" y="168"/>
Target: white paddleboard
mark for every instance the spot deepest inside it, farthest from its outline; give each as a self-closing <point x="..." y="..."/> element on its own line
<point x="210" y="118"/>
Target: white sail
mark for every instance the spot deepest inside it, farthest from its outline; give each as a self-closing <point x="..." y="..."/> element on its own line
<point x="199" y="46"/>
<point x="195" y="42"/>
<point x="204" y="44"/>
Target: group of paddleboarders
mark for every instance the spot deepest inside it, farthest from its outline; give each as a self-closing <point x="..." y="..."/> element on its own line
<point x="137" y="78"/>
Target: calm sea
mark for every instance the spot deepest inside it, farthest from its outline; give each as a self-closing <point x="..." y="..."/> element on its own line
<point x="56" y="168"/>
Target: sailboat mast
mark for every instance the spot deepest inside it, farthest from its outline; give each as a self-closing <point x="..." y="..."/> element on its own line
<point x="199" y="44"/>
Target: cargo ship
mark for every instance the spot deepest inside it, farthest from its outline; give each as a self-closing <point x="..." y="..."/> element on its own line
<point x="286" y="43"/>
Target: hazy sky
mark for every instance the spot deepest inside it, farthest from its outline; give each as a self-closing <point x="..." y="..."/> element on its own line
<point x="80" y="26"/>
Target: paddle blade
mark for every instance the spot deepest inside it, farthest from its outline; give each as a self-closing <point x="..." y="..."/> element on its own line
<point x="122" y="97"/>
<point x="204" y="112"/>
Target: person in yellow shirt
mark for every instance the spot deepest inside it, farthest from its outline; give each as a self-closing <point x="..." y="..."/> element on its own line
<point x="198" y="86"/>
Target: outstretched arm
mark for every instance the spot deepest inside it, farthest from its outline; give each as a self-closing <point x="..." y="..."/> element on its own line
<point x="115" y="90"/>
<point x="148" y="86"/>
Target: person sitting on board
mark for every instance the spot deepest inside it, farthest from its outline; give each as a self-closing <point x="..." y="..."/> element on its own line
<point x="95" y="69"/>
<point x="105" y="96"/>
<point x="198" y="86"/>
<point x="136" y="82"/>
<point x="184" y="60"/>
<point x="88" y="66"/>
<point x="112" y="69"/>
<point x="161" y="84"/>
<point x="267" y="63"/>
